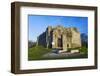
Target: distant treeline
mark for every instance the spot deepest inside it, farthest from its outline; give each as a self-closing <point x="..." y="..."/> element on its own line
<point x="84" y="40"/>
<point x="31" y="44"/>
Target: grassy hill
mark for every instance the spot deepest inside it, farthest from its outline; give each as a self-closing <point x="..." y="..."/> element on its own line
<point x="37" y="52"/>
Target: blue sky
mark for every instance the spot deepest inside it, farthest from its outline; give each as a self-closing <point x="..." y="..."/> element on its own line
<point x="38" y="24"/>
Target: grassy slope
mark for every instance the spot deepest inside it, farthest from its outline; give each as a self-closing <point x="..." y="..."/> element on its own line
<point x="36" y="53"/>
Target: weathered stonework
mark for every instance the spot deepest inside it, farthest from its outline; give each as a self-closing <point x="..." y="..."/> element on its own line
<point x="60" y="37"/>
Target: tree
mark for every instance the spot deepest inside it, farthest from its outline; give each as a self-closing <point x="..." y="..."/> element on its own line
<point x="84" y="40"/>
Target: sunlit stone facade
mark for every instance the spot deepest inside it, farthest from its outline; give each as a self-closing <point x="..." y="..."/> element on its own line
<point x="60" y="37"/>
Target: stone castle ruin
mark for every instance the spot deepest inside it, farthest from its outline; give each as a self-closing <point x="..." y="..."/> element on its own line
<point x="60" y="37"/>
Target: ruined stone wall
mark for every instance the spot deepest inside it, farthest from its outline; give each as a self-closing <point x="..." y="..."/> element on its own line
<point x="61" y="38"/>
<point x="42" y="40"/>
<point x="76" y="39"/>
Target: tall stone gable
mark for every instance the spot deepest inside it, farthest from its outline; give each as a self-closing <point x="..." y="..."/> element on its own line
<point x="60" y="37"/>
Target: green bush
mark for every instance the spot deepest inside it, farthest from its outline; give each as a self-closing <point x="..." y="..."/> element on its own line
<point x="83" y="50"/>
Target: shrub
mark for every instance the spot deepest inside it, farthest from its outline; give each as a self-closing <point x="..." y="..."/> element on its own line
<point x="83" y="50"/>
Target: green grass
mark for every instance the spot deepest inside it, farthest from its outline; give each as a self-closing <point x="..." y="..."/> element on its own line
<point x="83" y="50"/>
<point x="37" y="52"/>
<point x="77" y="57"/>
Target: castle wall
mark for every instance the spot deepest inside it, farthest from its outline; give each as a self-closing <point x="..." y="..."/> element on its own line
<point x="60" y="37"/>
<point x="42" y="39"/>
<point x="76" y="39"/>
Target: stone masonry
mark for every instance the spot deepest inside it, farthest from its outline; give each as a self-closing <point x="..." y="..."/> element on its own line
<point x="60" y="37"/>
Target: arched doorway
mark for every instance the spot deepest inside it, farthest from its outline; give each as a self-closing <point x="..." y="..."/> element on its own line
<point x="60" y="42"/>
